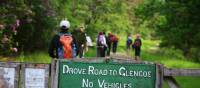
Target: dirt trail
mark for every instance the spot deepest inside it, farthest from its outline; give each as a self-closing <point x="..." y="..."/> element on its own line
<point x="121" y="55"/>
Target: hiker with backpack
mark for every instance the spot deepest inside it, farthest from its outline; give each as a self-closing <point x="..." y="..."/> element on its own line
<point x="129" y="42"/>
<point x="109" y="42"/>
<point x="137" y="46"/>
<point x="80" y="37"/>
<point x="63" y="45"/>
<point x="101" y="45"/>
<point x="114" y="40"/>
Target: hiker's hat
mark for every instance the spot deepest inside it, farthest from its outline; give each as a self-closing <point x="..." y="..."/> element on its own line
<point x="65" y="23"/>
<point x="100" y="33"/>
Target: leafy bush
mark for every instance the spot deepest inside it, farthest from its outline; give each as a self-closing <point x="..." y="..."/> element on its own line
<point x="175" y="22"/>
<point x="26" y="24"/>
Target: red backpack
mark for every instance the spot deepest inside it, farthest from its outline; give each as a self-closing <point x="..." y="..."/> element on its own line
<point x="137" y="43"/>
<point x="114" y="38"/>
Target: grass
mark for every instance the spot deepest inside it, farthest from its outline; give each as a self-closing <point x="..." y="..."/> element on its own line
<point x="150" y="52"/>
<point x="37" y="57"/>
<point x="170" y="58"/>
<point x="169" y="62"/>
<point x="91" y="52"/>
<point x="188" y="82"/>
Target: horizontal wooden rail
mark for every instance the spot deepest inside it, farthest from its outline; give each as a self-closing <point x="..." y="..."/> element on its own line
<point x="181" y="72"/>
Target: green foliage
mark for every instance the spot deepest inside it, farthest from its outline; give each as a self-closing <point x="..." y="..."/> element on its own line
<point x="97" y="15"/>
<point x="175" y="21"/>
<point x="27" y="24"/>
<point x="39" y="18"/>
<point x="169" y="57"/>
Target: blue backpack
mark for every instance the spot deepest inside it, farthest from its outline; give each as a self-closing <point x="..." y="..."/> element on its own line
<point x="129" y="42"/>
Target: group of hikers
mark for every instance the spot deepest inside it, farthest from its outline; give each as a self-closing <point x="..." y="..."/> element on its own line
<point x="71" y="45"/>
<point x="106" y="43"/>
<point x="136" y="45"/>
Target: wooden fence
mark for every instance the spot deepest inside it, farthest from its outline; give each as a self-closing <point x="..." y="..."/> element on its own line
<point x="169" y="74"/>
<point x="24" y="75"/>
<point x="163" y="73"/>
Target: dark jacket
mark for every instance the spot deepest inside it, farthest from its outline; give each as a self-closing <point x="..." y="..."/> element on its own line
<point x="55" y="44"/>
<point x="80" y="37"/>
<point x="140" y="43"/>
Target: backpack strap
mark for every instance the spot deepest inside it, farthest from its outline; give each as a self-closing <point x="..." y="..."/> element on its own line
<point x="68" y="34"/>
<point x="60" y="50"/>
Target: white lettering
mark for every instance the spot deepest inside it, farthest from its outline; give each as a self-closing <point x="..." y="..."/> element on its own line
<point x="105" y="84"/>
<point x="68" y="70"/>
<point x="121" y="71"/>
<point x="90" y="70"/>
<point x="86" y="83"/>
<point x="101" y="83"/>
<point x="149" y="73"/>
<point x="65" y="68"/>
<point x="95" y="71"/>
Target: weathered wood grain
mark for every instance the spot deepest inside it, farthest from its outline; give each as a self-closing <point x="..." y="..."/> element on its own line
<point x="181" y="72"/>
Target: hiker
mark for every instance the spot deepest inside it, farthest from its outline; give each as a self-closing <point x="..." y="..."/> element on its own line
<point x="80" y="37"/>
<point x="101" y="45"/>
<point x="137" y="46"/>
<point x="109" y="42"/>
<point x="63" y="45"/>
<point x="89" y="42"/>
<point x="114" y="40"/>
<point x="106" y="45"/>
<point x="129" y="42"/>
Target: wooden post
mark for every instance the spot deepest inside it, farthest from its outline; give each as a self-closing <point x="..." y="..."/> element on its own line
<point x="53" y="62"/>
<point x="159" y="75"/>
<point x="56" y="75"/>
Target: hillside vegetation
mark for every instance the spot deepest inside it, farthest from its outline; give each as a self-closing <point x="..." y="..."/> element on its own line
<point x="169" y="29"/>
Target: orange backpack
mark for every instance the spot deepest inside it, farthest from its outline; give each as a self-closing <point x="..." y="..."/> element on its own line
<point x="66" y="41"/>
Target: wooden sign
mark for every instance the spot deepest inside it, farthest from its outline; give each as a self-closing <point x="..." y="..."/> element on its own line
<point x="35" y="75"/>
<point x="105" y="74"/>
<point x="9" y="75"/>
